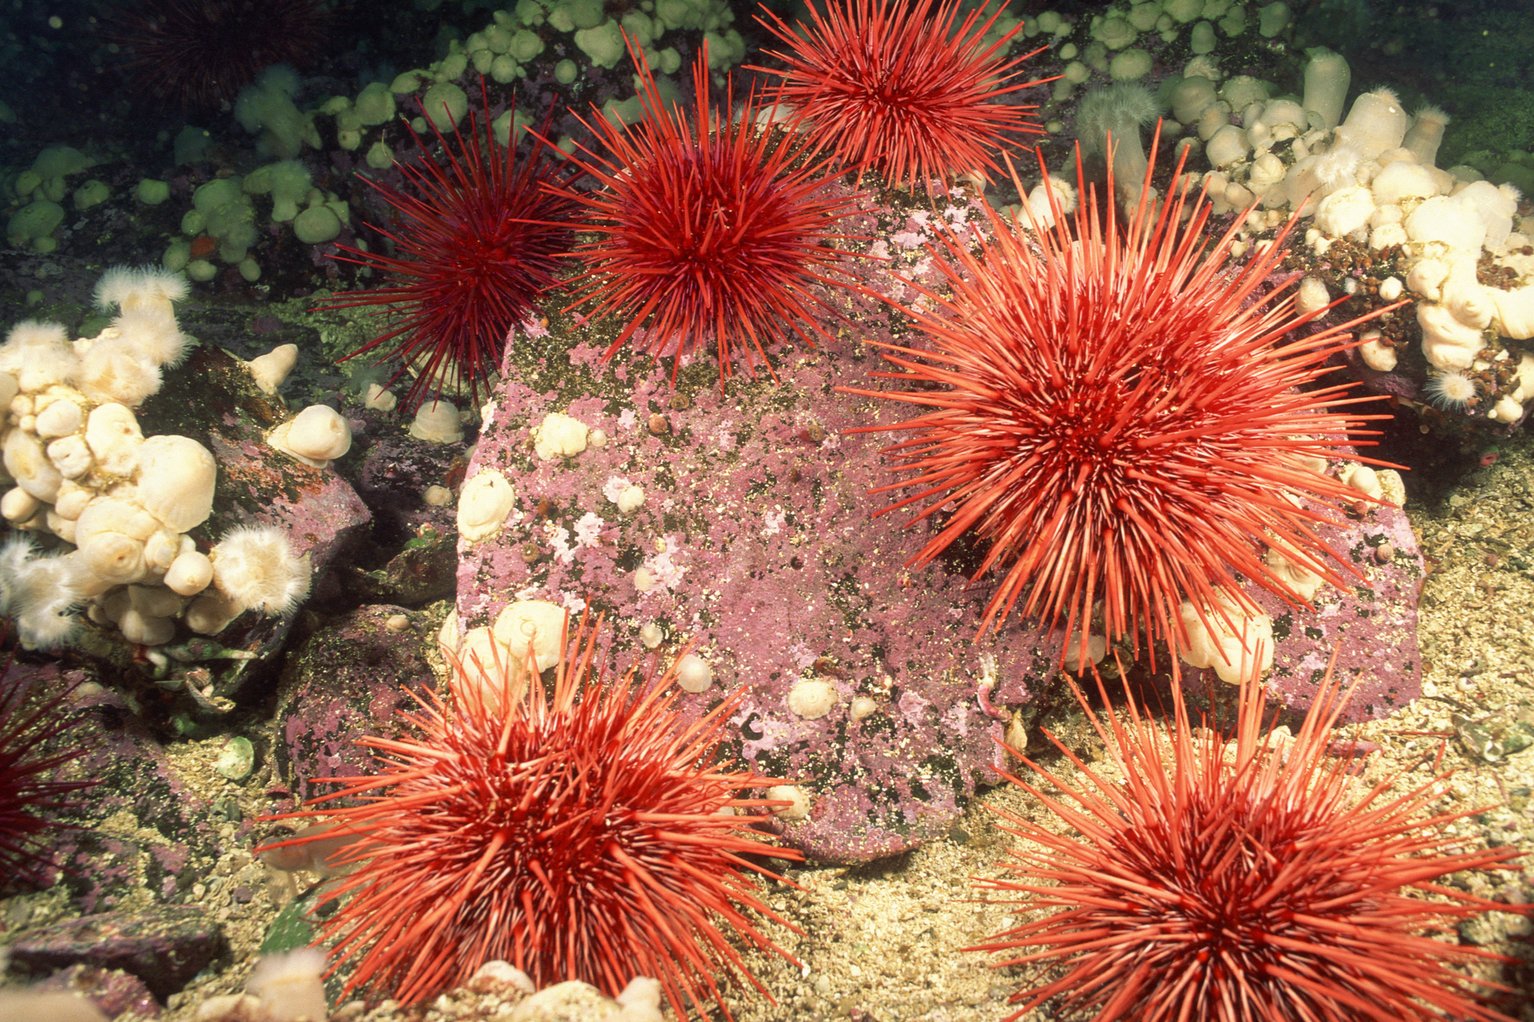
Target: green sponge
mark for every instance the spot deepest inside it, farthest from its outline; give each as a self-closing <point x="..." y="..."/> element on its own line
<point x="603" y="44"/>
<point x="34" y="224"/>
<point x="444" y="106"/>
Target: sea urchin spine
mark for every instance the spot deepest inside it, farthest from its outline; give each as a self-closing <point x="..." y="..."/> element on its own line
<point x="893" y="85"/>
<point x="1121" y="415"/>
<point x="476" y="242"/>
<point x="708" y="227"/>
<point x="30" y="796"/>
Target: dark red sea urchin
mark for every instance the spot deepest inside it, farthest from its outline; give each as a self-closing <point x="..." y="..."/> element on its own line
<point x="708" y="228"/>
<point x="1113" y="408"/>
<point x="201" y="53"/>
<point x="582" y="833"/>
<point x="1240" y="881"/>
<point x="895" y="86"/>
<point x="30" y="795"/>
<point x="476" y="242"/>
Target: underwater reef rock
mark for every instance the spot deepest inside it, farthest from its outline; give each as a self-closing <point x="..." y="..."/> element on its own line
<point x="165" y="947"/>
<point x="212" y="398"/>
<point x="173" y="839"/>
<point x="740" y="524"/>
<point x="349" y="678"/>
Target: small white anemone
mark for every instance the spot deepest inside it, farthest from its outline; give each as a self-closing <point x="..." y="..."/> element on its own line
<point x="1338" y="167"/>
<point x="40" y="592"/>
<point x="38" y="355"/>
<point x="257" y="570"/>
<point x="1451" y="390"/>
<point x="290" y="985"/>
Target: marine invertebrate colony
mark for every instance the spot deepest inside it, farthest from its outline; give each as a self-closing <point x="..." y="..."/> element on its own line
<point x="708" y="228"/>
<point x="476" y="242"/>
<point x="896" y="86"/>
<point x="1113" y="408"/>
<point x="1240" y="880"/>
<point x="583" y="833"/>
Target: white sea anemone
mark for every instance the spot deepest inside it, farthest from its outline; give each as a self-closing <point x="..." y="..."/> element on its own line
<point x="129" y="287"/>
<point x="257" y="570"/>
<point x="1452" y="391"/>
<point x="40" y="593"/>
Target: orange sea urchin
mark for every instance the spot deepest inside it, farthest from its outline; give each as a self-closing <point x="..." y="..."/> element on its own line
<point x="581" y="833"/>
<point x="1114" y="409"/>
<point x="1240" y="881"/>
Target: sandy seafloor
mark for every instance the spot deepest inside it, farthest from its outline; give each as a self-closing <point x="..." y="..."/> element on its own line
<point x="883" y="942"/>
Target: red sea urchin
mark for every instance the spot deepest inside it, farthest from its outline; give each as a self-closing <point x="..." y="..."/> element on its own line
<point x="201" y="53"/>
<point x="892" y="85"/>
<point x="29" y="793"/>
<point x="476" y="241"/>
<point x="1240" y="881"/>
<point x="708" y="227"/>
<point x="1116" y="412"/>
<point x="586" y="833"/>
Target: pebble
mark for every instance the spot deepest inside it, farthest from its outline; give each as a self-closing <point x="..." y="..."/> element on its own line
<point x="236" y="760"/>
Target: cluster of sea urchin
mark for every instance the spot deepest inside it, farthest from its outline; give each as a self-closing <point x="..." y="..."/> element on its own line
<point x="1112" y="405"/>
<point x="704" y="227"/>
<point x="1240" y="880"/>
<point x="1121" y="413"/>
<point x="584" y="833"/>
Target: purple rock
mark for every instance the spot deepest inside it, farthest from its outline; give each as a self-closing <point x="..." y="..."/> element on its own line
<point x="164" y="947"/>
<point x="759" y="543"/>
<point x="173" y="841"/>
<point x="754" y="543"/>
<point x="348" y="679"/>
<point x="113" y="991"/>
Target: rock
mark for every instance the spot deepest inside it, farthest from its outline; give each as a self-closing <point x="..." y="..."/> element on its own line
<point x="755" y="543"/>
<point x="212" y="399"/>
<point x="164" y="947"/>
<point x="1371" y="627"/>
<point x="348" y="679"/>
<point x="759" y="543"/>
<point x="114" y="991"/>
<point x="173" y="843"/>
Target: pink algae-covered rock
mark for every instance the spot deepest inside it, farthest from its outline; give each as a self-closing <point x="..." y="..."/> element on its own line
<point x="755" y="544"/>
<point x="1371" y="627"/>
